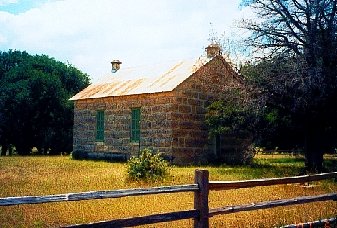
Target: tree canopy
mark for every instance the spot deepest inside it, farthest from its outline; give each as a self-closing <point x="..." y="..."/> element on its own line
<point x="297" y="71"/>
<point x="35" y="110"/>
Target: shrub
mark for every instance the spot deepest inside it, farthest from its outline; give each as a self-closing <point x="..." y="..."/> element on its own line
<point x="148" y="166"/>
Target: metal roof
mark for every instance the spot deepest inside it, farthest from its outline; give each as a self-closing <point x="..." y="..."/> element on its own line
<point x="153" y="79"/>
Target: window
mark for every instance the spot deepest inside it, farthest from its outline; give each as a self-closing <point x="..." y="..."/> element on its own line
<point x="100" y="126"/>
<point x="135" y="125"/>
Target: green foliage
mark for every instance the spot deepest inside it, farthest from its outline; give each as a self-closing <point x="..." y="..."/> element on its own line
<point x="231" y="123"/>
<point x="35" y="110"/>
<point x="148" y="166"/>
<point x="278" y="101"/>
<point x="272" y="116"/>
<point x="227" y="117"/>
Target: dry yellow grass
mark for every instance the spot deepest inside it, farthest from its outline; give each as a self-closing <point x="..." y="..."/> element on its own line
<point x="54" y="175"/>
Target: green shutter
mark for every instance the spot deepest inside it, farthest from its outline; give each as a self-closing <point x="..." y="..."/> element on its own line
<point x="100" y="126"/>
<point x="135" y="125"/>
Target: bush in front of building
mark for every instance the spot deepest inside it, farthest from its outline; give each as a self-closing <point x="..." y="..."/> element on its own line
<point x="148" y="166"/>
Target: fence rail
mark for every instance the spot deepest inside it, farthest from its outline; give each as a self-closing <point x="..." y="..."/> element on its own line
<point x="331" y="222"/>
<point x="227" y="185"/>
<point x="201" y="212"/>
<point x="271" y="204"/>
<point x="137" y="221"/>
<point x="96" y="195"/>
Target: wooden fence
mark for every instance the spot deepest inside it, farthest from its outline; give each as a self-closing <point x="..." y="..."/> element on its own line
<point x="201" y="187"/>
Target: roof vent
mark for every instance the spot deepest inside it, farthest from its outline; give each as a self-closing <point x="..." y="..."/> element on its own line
<point x="213" y="50"/>
<point x="115" y="65"/>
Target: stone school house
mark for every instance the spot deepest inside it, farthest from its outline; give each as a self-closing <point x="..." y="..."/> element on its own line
<point x="166" y="113"/>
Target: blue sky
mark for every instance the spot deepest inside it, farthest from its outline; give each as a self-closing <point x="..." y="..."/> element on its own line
<point x="17" y="6"/>
<point x="89" y="34"/>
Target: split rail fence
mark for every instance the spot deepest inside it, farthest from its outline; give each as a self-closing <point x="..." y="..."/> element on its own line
<point x="201" y="187"/>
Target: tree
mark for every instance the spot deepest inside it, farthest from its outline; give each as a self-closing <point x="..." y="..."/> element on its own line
<point x="275" y="125"/>
<point x="231" y="122"/>
<point x="302" y="33"/>
<point x="35" y="110"/>
<point x="229" y="116"/>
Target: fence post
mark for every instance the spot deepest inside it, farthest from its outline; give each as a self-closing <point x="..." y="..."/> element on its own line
<point x="201" y="198"/>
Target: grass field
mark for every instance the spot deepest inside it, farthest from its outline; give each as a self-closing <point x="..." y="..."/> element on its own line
<point x="20" y="176"/>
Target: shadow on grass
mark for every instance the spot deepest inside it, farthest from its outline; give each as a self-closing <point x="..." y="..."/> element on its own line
<point x="265" y="168"/>
<point x="273" y="167"/>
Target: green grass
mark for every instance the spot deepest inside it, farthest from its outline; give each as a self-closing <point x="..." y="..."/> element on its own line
<point x="22" y="176"/>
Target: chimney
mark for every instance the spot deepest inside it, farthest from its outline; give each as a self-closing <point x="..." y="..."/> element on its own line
<point x="213" y="50"/>
<point x="115" y="65"/>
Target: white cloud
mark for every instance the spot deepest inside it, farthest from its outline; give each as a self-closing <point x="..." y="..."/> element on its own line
<point x="89" y="34"/>
<point x="3" y="39"/>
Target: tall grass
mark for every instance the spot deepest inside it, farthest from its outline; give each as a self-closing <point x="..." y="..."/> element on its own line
<point x="21" y="176"/>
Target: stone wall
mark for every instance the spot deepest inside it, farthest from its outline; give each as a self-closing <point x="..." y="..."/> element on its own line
<point x="156" y="121"/>
<point x="191" y="144"/>
<point x="188" y="126"/>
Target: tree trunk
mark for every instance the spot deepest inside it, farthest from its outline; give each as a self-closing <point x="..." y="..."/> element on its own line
<point x="313" y="152"/>
<point x="10" y="150"/>
<point x="314" y="161"/>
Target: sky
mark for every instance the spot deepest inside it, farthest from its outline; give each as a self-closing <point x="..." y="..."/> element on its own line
<point x="90" y="34"/>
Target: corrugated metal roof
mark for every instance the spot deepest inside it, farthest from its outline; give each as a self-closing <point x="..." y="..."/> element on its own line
<point x="153" y="79"/>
